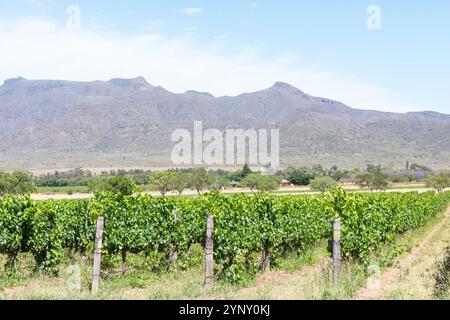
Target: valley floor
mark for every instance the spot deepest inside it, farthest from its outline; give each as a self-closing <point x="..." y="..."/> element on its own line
<point x="57" y="194"/>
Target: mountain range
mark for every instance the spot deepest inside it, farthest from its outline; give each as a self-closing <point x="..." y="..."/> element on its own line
<point x="129" y="122"/>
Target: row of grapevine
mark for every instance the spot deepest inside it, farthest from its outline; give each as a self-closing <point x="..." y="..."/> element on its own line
<point x="264" y="227"/>
<point x="44" y="229"/>
<point x="251" y="232"/>
<point x="370" y="221"/>
<point x="147" y="224"/>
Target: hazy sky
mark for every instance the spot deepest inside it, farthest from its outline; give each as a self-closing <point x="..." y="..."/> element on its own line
<point x="228" y="47"/>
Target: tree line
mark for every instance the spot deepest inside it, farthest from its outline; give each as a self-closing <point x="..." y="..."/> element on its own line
<point x="374" y="178"/>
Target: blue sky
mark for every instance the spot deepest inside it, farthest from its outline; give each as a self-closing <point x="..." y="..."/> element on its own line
<point x="227" y="47"/>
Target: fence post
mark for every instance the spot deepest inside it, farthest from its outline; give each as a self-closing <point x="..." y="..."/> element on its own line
<point x="97" y="255"/>
<point x="209" y="253"/>
<point x="336" y="250"/>
<point x="173" y="253"/>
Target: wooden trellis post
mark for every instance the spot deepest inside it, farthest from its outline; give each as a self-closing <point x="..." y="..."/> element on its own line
<point x="336" y="250"/>
<point x="97" y="255"/>
<point x="209" y="253"/>
<point x="173" y="253"/>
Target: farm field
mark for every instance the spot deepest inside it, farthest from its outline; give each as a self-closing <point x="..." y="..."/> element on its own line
<point x="62" y="190"/>
<point x="265" y="247"/>
<point x="220" y="159"/>
<point x="61" y="193"/>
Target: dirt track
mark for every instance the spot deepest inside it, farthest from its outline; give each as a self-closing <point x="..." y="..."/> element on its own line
<point x="412" y="276"/>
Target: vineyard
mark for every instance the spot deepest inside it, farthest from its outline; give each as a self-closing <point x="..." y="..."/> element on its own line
<point x="251" y="233"/>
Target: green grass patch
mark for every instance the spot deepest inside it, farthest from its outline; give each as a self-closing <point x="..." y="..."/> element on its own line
<point x="63" y="190"/>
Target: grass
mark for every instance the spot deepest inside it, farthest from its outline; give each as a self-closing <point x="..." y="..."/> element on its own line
<point x="392" y="252"/>
<point x="65" y="190"/>
<point x="352" y="277"/>
<point x="293" y="262"/>
<point x="141" y="283"/>
<point x="285" y="282"/>
<point x="442" y="277"/>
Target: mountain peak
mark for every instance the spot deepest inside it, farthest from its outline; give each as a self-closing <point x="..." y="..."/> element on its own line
<point x="133" y="82"/>
<point x="14" y="81"/>
<point x="198" y="93"/>
<point x="286" y="87"/>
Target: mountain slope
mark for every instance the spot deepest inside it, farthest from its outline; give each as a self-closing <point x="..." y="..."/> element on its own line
<point x="129" y="122"/>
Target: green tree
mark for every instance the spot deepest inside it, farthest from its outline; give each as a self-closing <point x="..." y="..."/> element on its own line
<point x="163" y="181"/>
<point x="336" y="174"/>
<point x="318" y="170"/>
<point x="259" y="182"/>
<point x="299" y="176"/>
<point x="439" y="182"/>
<point x="251" y="181"/>
<point x="22" y="183"/>
<point x="201" y="179"/>
<point x="246" y="171"/>
<point x="220" y="183"/>
<point x="123" y="185"/>
<point x="16" y="183"/>
<point x="323" y="184"/>
<point x="4" y="183"/>
<point x="119" y="184"/>
<point x="363" y="180"/>
<point x="180" y="182"/>
<point x="374" y="179"/>
<point x="97" y="184"/>
<point x="238" y="175"/>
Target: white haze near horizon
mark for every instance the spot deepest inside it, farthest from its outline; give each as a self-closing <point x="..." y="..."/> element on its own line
<point x="36" y="48"/>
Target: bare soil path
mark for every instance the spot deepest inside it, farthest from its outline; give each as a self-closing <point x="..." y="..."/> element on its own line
<point x="281" y="285"/>
<point x="412" y="276"/>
